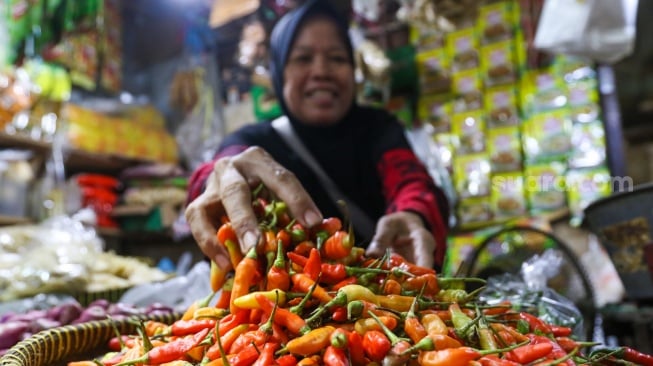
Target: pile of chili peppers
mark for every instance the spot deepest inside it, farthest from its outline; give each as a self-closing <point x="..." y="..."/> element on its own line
<point x="311" y="297"/>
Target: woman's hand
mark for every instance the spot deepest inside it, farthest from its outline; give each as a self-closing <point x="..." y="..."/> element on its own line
<point x="228" y="192"/>
<point x="404" y="233"/>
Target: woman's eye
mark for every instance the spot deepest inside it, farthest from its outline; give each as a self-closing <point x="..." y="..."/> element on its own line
<point x="302" y="59"/>
<point x="340" y="58"/>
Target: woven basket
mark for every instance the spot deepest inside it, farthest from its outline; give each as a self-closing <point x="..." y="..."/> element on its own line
<point x="72" y="342"/>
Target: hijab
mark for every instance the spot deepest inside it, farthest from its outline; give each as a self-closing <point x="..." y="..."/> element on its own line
<point x="282" y="39"/>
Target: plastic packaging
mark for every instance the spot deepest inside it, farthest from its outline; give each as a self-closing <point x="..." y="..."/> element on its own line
<point x="529" y="292"/>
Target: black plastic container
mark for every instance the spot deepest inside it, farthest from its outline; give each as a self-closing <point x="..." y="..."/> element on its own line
<point x="623" y="223"/>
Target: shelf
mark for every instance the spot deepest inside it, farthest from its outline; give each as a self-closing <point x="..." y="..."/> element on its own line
<point x="13" y="220"/>
<point x="76" y="160"/>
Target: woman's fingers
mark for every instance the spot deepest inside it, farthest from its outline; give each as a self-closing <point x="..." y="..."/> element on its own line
<point x="258" y="166"/>
<point x="404" y="233"/>
<point x="233" y="179"/>
<point x="202" y="216"/>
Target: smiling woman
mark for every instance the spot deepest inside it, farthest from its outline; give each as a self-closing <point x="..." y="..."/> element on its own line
<point x="363" y="151"/>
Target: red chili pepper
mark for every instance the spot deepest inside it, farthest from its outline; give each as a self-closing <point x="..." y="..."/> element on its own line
<point x="529" y="352"/>
<point x="535" y="324"/>
<point x="376" y="345"/>
<point x="266" y="358"/>
<point x="256" y="337"/>
<point x="246" y="275"/>
<point x="171" y="351"/>
<point x="304" y="248"/>
<point x="339" y="314"/>
<point x="227" y="340"/>
<point x="284" y="317"/>
<point x="329" y="224"/>
<point x="332" y="273"/>
<point x="335" y="357"/>
<point x="635" y="356"/>
<point x="231" y="321"/>
<point x="313" y="265"/>
<point x="428" y="282"/>
<point x="494" y="360"/>
<point x="556" y="350"/>
<point x="560" y="331"/>
<point x="186" y="327"/>
<point x="356" y="350"/>
<point x="245" y="357"/>
<point x="347" y="281"/>
<point x="284" y="237"/>
<point x="287" y="360"/>
<point x="396" y="260"/>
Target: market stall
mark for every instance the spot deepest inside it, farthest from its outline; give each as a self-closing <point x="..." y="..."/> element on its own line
<point x="106" y="107"/>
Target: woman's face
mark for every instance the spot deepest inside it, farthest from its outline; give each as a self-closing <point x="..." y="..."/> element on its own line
<point x="318" y="86"/>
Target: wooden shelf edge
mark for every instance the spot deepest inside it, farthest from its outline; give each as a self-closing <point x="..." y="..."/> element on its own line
<point x="14" y="220"/>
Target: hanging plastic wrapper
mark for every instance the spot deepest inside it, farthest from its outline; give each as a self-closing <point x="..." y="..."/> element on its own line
<point x="529" y="292"/>
<point x="601" y="30"/>
<point x="200" y="133"/>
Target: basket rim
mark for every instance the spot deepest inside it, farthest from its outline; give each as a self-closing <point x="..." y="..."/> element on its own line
<point x="33" y="351"/>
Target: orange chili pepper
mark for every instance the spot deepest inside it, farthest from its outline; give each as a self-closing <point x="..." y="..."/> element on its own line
<point x="433" y="324"/>
<point x="391" y="287"/>
<point x="227" y="236"/>
<point x="278" y="277"/>
<point x="246" y="275"/>
<point x="227" y="340"/>
<point x="303" y="283"/>
<point x="293" y="322"/>
<point x="338" y="245"/>
<point x="225" y="296"/>
<point x="312" y="342"/>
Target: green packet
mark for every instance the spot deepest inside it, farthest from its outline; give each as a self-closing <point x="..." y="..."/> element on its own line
<point x="508" y="198"/>
<point x="585" y="186"/>
<point x="545" y="186"/>
<point x="547" y="135"/>
<point x="472" y="175"/>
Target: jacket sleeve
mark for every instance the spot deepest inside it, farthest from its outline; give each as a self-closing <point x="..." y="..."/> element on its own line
<point x="407" y="186"/>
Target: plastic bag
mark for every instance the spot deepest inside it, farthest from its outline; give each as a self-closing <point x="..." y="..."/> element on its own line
<point x="420" y="138"/>
<point x="529" y="292"/>
<point x="203" y="128"/>
<point x="602" y="30"/>
<point x="178" y="293"/>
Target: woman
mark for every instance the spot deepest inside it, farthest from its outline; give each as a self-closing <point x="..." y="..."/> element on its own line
<point x="363" y="150"/>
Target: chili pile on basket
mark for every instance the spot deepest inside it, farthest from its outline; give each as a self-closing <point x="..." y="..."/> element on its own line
<point x="308" y="296"/>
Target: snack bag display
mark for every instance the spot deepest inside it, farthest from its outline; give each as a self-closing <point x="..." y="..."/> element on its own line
<point x="434" y="71"/>
<point x="467" y="85"/>
<point x="545" y="186"/>
<point x="498" y="63"/>
<point x="542" y="90"/>
<point x="462" y="49"/>
<point x="497" y="21"/>
<point x="547" y="135"/>
<point x="500" y="104"/>
<point x="470" y="132"/>
<point x="583" y="100"/>
<point x="473" y="212"/>
<point x="585" y="186"/>
<point x="504" y="147"/>
<point x="508" y="199"/>
<point x="472" y="175"/>
<point x="436" y="110"/>
<point x="588" y="146"/>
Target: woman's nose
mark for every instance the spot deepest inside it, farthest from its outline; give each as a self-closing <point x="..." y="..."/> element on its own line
<point x="320" y="66"/>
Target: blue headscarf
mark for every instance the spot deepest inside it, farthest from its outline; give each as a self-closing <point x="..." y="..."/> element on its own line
<point x="285" y="31"/>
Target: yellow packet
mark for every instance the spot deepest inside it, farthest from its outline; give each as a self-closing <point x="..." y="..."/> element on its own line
<point x="508" y="198"/>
